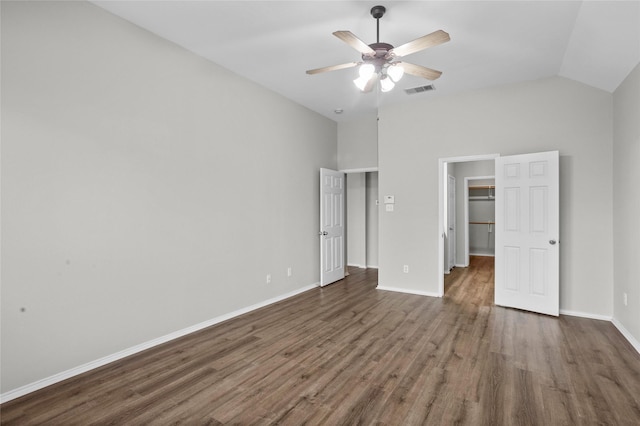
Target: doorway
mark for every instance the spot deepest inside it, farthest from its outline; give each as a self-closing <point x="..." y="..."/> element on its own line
<point x="362" y="219"/>
<point x="526" y="267"/>
<point x="459" y="167"/>
<point x="479" y="216"/>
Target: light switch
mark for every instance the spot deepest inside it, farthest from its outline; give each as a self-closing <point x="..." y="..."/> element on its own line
<point x="389" y="207"/>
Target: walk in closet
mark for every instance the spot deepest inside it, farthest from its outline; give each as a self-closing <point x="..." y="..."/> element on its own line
<point x="482" y="220"/>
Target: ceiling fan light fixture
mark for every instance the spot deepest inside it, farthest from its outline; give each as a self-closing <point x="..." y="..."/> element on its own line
<point x="361" y="82"/>
<point x="386" y="84"/>
<point x="395" y="72"/>
<point x="380" y="61"/>
<point x="366" y="71"/>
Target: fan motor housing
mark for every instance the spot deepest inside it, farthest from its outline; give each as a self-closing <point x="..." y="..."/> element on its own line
<point x="381" y="48"/>
<point x="381" y="56"/>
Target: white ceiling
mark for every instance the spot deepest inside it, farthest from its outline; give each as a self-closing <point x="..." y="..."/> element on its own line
<point x="492" y="43"/>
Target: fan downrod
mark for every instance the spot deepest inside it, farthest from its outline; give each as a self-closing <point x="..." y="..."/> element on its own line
<point x="378" y="12"/>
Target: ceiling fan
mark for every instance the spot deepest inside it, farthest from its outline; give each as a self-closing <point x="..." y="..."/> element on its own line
<point x="381" y="61"/>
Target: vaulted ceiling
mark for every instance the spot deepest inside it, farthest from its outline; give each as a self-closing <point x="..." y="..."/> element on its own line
<point x="492" y="43"/>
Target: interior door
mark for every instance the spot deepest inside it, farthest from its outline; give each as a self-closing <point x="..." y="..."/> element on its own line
<point x="527" y="231"/>
<point x="331" y="226"/>
<point x="451" y="221"/>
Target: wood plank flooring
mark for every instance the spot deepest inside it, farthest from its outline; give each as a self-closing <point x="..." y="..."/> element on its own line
<point x="351" y="354"/>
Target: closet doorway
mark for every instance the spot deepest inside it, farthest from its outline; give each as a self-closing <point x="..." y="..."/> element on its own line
<point x="461" y="168"/>
<point x="362" y="220"/>
<point x="479" y="216"/>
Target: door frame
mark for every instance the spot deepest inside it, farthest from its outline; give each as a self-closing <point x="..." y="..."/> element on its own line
<point x="441" y="200"/>
<point x="347" y="172"/>
<point x="452" y="243"/>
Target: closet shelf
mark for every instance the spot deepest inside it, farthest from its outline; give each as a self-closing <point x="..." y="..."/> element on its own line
<point x="482" y="197"/>
<point x="482" y="187"/>
<point x="482" y="223"/>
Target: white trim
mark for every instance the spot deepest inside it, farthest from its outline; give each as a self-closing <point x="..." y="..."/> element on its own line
<point x="32" y="387"/>
<point x="441" y="163"/>
<point x="585" y="315"/>
<point x="363" y="266"/>
<point x="451" y="262"/>
<point x="404" y="290"/>
<point x="363" y="170"/>
<point x="634" y="342"/>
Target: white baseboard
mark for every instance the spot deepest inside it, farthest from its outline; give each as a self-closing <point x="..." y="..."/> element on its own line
<point x="634" y="342"/>
<point x="404" y="290"/>
<point x="32" y="387"/>
<point x="372" y="266"/>
<point x="356" y="266"/>
<point x="585" y="315"/>
<point x="482" y="254"/>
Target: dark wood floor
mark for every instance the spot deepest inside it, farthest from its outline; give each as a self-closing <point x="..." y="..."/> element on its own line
<point x="351" y="354"/>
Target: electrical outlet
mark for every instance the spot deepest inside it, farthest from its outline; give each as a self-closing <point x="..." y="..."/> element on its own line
<point x="289" y="271"/>
<point x="624" y="298"/>
<point x="405" y="269"/>
<point x="268" y="278"/>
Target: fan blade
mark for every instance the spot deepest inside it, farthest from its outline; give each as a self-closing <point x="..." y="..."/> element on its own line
<point x="430" y="40"/>
<point x="420" y="71"/>
<point x="355" y="42"/>
<point x="334" y="67"/>
<point x="371" y="84"/>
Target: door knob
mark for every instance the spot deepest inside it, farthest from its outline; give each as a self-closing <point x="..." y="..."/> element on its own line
<point x="552" y="242"/>
<point x="323" y="233"/>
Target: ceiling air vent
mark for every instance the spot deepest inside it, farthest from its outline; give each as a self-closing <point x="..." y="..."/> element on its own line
<point x="420" y="89"/>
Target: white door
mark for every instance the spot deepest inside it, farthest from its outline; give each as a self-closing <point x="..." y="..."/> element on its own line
<point x="527" y="231"/>
<point x="451" y="221"/>
<point x="331" y="226"/>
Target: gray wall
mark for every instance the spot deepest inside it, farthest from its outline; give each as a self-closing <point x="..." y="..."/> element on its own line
<point x="626" y="202"/>
<point x="358" y="144"/>
<point x="543" y="115"/>
<point x="144" y="189"/>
